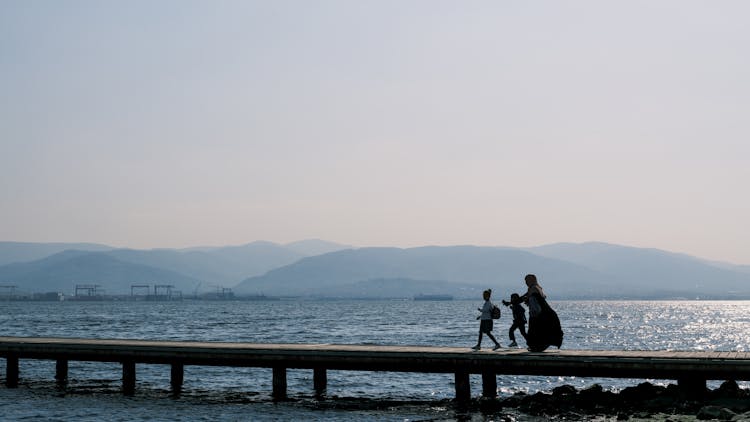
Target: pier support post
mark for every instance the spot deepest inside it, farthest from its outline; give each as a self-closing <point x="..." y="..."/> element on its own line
<point x="320" y="381"/>
<point x="177" y="375"/>
<point x="463" y="388"/>
<point x="693" y="388"/>
<point x="61" y="371"/>
<point x="128" y="378"/>
<point x="279" y="383"/>
<point x="489" y="385"/>
<point x="11" y="371"/>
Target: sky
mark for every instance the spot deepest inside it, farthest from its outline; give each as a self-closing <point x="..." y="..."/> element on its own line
<point x="178" y="123"/>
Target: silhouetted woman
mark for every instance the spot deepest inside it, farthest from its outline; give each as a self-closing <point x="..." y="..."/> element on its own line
<point x="544" y="325"/>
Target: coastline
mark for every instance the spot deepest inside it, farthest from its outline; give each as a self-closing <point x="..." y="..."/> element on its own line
<point x="645" y="401"/>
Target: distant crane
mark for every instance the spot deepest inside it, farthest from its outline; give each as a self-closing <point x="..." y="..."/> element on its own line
<point x="90" y="289"/>
<point x="167" y="287"/>
<point x="226" y="293"/>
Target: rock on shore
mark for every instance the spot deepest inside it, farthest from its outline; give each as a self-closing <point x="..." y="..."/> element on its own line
<point x="644" y="401"/>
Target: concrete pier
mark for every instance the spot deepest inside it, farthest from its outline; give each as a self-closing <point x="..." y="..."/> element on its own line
<point x="692" y="369"/>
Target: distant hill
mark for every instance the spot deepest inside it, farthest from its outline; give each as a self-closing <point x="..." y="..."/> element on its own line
<point x="648" y="270"/>
<point x="212" y="267"/>
<point x="312" y="247"/>
<point x="566" y="270"/>
<point x="497" y="268"/>
<point x="224" y="266"/>
<point x="62" y="271"/>
<point x="11" y="252"/>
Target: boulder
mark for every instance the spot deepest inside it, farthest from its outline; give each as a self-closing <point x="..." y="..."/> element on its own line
<point x="715" y="412"/>
<point x="643" y="391"/>
<point x="728" y="389"/>
<point x="564" y="390"/>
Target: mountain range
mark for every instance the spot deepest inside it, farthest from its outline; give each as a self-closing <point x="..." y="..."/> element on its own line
<point x="59" y="267"/>
<point x="460" y="266"/>
<point x="316" y="268"/>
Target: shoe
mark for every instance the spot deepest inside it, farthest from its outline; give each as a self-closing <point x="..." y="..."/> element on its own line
<point x="497" y="346"/>
<point x="475" y="348"/>
<point x="513" y="344"/>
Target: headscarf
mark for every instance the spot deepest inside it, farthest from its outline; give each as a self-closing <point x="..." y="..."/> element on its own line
<point x="534" y="286"/>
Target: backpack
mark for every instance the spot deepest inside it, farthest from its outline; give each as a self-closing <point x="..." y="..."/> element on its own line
<point x="495" y="313"/>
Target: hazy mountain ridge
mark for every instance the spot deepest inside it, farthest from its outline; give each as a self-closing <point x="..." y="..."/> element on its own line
<point x="61" y="272"/>
<point x="649" y="269"/>
<point x="312" y="247"/>
<point x="12" y="252"/>
<point x="586" y="270"/>
<point x="224" y="266"/>
<point x="207" y="267"/>
<point x="480" y="266"/>
<point x="567" y="270"/>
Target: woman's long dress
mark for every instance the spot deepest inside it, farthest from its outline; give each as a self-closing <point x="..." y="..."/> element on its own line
<point x="544" y="325"/>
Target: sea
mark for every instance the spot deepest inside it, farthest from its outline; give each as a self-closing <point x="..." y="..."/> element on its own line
<point x="93" y="392"/>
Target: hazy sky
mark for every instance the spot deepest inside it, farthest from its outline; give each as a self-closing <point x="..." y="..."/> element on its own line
<point x="377" y="123"/>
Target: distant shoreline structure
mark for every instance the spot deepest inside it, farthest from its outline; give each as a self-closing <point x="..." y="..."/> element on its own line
<point x="60" y="297"/>
<point x="433" y="297"/>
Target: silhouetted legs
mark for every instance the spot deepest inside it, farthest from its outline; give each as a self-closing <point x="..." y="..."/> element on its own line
<point x="486" y="328"/>
<point x="521" y="328"/>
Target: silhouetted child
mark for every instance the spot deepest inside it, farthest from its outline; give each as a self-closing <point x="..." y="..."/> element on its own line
<point x="485" y="327"/>
<point x="519" y="318"/>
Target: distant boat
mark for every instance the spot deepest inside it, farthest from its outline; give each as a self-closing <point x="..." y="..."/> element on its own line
<point x="433" y="297"/>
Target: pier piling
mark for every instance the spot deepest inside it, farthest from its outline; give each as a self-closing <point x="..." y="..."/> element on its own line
<point x="463" y="388"/>
<point x="489" y="384"/>
<point x="11" y="371"/>
<point x="693" y="388"/>
<point x="279" y="383"/>
<point x="320" y="381"/>
<point x="61" y="371"/>
<point x="128" y="378"/>
<point x="177" y="375"/>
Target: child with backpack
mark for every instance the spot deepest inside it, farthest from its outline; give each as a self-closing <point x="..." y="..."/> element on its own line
<point x="485" y="327"/>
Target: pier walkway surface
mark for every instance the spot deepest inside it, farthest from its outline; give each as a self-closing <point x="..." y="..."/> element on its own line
<point x="690" y="369"/>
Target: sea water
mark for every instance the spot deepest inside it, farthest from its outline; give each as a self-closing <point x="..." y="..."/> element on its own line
<point x="227" y="393"/>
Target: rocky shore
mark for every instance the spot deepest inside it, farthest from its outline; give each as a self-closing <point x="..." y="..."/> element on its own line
<point x="645" y="401"/>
